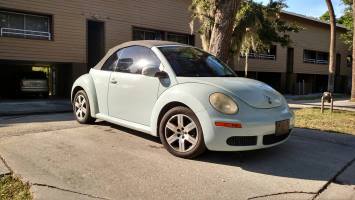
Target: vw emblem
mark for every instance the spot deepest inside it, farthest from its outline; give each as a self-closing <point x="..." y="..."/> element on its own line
<point x="268" y="99"/>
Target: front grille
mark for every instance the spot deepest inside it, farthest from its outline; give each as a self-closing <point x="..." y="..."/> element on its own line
<point x="273" y="138"/>
<point x="242" y="140"/>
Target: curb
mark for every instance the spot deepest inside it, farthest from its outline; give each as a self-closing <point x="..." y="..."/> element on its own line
<point x="296" y="106"/>
<point x="4" y="170"/>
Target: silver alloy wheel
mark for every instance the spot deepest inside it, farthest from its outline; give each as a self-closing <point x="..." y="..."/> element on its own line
<point x="181" y="133"/>
<point x="80" y="107"/>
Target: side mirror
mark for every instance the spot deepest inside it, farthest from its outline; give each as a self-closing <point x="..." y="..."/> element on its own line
<point x="161" y="74"/>
<point x="154" y="72"/>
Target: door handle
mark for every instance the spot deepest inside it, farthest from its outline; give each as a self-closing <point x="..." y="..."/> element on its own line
<point x="113" y="81"/>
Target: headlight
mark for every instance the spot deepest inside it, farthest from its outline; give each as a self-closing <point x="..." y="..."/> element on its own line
<point x="223" y="103"/>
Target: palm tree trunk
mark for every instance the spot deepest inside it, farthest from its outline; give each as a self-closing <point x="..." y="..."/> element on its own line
<point x="222" y="30"/>
<point x="246" y="64"/>
<point x="332" y="46"/>
<point x="353" y="60"/>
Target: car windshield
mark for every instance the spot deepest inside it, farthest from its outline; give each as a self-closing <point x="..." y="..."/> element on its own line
<point x="192" y="62"/>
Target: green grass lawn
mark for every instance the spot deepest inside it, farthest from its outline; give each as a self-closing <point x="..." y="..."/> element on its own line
<point x="338" y="121"/>
<point x="12" y="188"/>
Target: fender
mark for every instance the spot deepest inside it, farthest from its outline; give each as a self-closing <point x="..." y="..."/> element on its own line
<point x="86" y="82"/>
<point x="193" y="95"/>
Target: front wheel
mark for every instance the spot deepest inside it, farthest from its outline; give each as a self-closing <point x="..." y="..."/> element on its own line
<point x="181" y="133"/>
<point x="81" y="108"/>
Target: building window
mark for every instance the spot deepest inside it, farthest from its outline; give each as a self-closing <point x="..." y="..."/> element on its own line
<point x="23" y="25"/>
<point x="147" y="34"/>
<point x="349" y="61"/>
<point x="151" y="34"/>
<point x="322" y="58"/>
<point x="309" y="56"/>
<point x="315" y="57"/>
<point x="181" y="38"/>
<point x="269" y="54"/>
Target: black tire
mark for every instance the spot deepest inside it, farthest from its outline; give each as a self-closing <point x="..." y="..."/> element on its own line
<point x="193" y="150"/>
<point x="86" y="118"/>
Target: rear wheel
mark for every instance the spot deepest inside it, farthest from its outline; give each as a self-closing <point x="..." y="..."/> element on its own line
<point x="181" y="133"/>
<point x="81" y="108"/>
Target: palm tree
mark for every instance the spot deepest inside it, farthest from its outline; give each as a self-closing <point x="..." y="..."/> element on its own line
<point x="353" y="67"/>
<point x="245" y="36"/>
<point x="251" y="42"/>
<point x="332" y="22"/>
<point x="257" y="27"/>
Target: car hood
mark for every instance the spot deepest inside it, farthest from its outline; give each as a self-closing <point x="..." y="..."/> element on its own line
<point x="255" y="93"/>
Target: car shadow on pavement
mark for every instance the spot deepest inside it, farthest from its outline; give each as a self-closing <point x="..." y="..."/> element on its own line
<point x="308" y="154"/>
<point x="130" y="131"/>
<point x="304" y="156"/>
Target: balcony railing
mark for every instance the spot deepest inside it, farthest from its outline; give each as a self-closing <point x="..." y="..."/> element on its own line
<point x="260" y="56"/>
<point x="307" y="60"/>
<point x="322" y="61"/>
<point x="22" y="32"/>
<point x="315" y="61"/>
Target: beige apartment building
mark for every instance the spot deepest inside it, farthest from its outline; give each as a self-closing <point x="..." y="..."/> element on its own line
<point x="302" y="67"/>
<point x="65" y="39"/>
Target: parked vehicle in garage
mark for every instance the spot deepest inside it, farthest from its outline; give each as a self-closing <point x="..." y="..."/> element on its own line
<point x="183" y="95"/>
<point x="34" y="83"/>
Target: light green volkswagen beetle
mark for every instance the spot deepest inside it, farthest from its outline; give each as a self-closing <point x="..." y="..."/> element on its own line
<point x="183" y="95"/>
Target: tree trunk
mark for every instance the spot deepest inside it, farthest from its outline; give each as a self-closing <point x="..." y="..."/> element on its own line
<point x="222" y="30"/>
<point x="353" y="58"/>
<point x="332" y="50"/>
<point x="246" y="63"/>
<point x="205" y="42"/>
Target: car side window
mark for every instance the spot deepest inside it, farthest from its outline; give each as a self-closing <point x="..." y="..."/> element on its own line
<point x="134" y="58"/>
<point x="111" y="62"/>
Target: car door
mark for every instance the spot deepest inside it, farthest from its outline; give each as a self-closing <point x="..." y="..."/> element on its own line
<point x="132" y="95"/>
<point x="101" y="79"/>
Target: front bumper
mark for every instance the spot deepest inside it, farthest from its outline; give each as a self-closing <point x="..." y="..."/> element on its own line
<point x="257" y="132"/>
<point x="257" y="137"/>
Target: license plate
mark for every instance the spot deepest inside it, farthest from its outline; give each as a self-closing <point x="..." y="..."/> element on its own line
<point x="282" y="127"/>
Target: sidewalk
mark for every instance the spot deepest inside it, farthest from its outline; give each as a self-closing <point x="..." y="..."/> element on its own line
<point x="37" y="106"/>
<point x="339" y="104"/>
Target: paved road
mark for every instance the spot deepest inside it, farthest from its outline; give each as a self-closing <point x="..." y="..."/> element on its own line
<point x="65" y="160"/>
<point x="34" y="106"/>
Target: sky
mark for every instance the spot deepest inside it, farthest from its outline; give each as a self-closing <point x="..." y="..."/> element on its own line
<point x="313" y="8"/>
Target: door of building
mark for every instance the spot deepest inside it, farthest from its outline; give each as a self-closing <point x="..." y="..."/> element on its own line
<point x="95" y="42"/>
<point x="338" y="82"/>
<point x="290" y="76"/>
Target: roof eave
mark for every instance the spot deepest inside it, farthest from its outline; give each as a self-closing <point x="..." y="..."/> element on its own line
<point x="313" y="19"/>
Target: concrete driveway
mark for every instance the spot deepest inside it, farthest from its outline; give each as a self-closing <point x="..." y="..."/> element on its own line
<point x="65" y="160"/>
